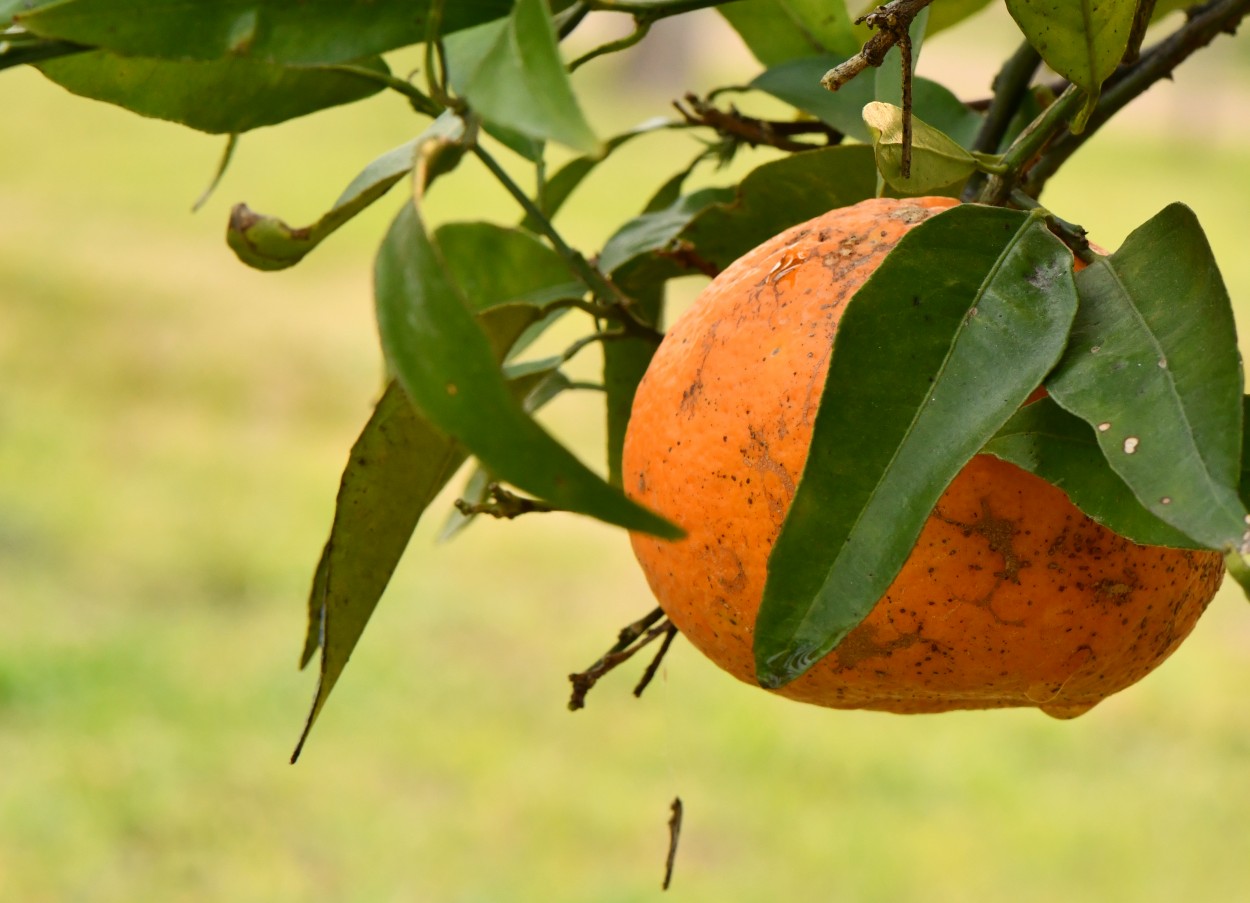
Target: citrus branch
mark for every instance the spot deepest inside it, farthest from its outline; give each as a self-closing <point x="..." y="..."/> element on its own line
<point x="1011" y="87"/>
<point x="891" y="22"/>
<point x="641" y="27"/>
<point x="1203" y="24"/>
<point x="1029" y="143"/>
<point x="755" y="132"/>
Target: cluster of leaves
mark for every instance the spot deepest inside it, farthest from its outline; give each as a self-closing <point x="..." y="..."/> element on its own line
<point x="1142" y="424"/>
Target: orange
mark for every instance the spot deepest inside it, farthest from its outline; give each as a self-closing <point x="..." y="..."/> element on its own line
<point x="1010" y="597"/>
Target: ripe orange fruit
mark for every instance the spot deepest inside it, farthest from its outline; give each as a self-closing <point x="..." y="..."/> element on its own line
<point x="1011" y="596"/>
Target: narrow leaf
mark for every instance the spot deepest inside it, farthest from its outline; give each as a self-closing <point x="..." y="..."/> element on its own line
<point x="223" y="96"/>
<point x="1081" y="40"/>
<point x="268" y="243"/>
<point x="779" y="30"/>
<point x="280" y="31"/>
<point x="396" y="468"/>
<point x="961" y="293"/>
<point x="511" y="74"/>
<point x="1153" y="366"/>
<point x="444" y="360"/>
<point x="1062" y="449"/>
<point x="936" y="159"/>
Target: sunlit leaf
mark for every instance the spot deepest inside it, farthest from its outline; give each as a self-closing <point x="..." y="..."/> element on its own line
<point x="1081" y="40"/>
<point x="936" y="160"/>
<point x="281" y="31"/>
<point x="961" y="293"/>
<point x="779" y="30"/>
<point x="1062" y="449"/>
<point x="1153" y="366"/>
<point x="511" y="74"/>
<point x="223" y="96"/>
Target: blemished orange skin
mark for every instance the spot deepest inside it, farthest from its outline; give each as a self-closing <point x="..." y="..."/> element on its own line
<point x="1011" y="596"/>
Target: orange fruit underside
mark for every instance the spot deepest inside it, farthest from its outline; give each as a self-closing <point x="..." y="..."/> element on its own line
<point x="1011" y="596"/>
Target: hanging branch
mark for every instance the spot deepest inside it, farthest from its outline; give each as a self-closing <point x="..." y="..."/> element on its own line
<point x="754" y="132"/>
<point x="631" y="638"/>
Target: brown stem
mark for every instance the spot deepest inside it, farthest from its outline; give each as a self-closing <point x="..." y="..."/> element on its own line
<point x="752" y="131"/>
<point x="631" y="638"/>
<point x="503" y="504"/>
<point x="891" y="22"/>
<point x="674" y="834"/>
<point x="649" y="675"/>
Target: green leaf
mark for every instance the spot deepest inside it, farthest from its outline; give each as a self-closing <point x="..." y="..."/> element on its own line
<point x="1081" y="40"/>
<point x="396" y="468"/>
<point x="1062" y="449"/>
<point x="1153" y="366"/>
<point x="224" y="96"/>
<point x="797" y="82"/>
<point x="951" y="12"/>
<point x="534" y="384"/>
<point x="961" y="293"/>
<point x="444" y="360"/>
<point x="936" y="159"/>
<point x="268" y="243"/>
<point x="279" y="31"/>
<point x="11" y="8"/>
<point x="779" y="30"/>
<point x="511" y="74"/>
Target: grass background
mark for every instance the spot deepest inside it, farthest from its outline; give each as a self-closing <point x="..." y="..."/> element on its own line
<point x="172" y="427"/>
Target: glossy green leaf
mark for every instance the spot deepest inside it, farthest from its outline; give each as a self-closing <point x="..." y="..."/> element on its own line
<point x="963" y="292"/>
<point x="396" y="468"/>
<point x="268" y="243"/>
<point x="949" y="13"/>
<point x="280" y="31"/>
<point x="511" y="74"/>
<point x="444" y="360"/>
<point x="936" y="159"/>
<point x="10" y="8"/>
<point x="797" y="82"/>
<point x="1082" y="40"/>
<point x="1153" y="366"/>
<point x="779" y="30"/>
<point x="1062" y="449"/>
<point x="224" y="96"/>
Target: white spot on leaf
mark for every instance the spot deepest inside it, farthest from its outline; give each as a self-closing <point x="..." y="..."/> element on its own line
<point x="1104" y="426"/>
<point x="1130" y="445"/>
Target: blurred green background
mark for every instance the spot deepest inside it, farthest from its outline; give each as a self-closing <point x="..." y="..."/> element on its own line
<point x="172" y="427"/>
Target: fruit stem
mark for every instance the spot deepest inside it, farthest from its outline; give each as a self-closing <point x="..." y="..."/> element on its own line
<point x="1070" y="234"/>
<point x="1029" y="143"/>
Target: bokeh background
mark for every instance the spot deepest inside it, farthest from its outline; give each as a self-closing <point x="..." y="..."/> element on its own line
<point x="172" y="428"/>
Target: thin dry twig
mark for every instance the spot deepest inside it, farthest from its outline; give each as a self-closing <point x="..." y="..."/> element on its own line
<point x="891" y="23"/>
<point x="674" y="834"/>
<point x="755" y="132"/>
<point x="631" y="638"/>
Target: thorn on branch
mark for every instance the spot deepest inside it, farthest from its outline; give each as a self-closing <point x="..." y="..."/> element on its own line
<point x="631" y="638"/>
<point x="744" y="129"/>
<point x="503" y="504"/>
